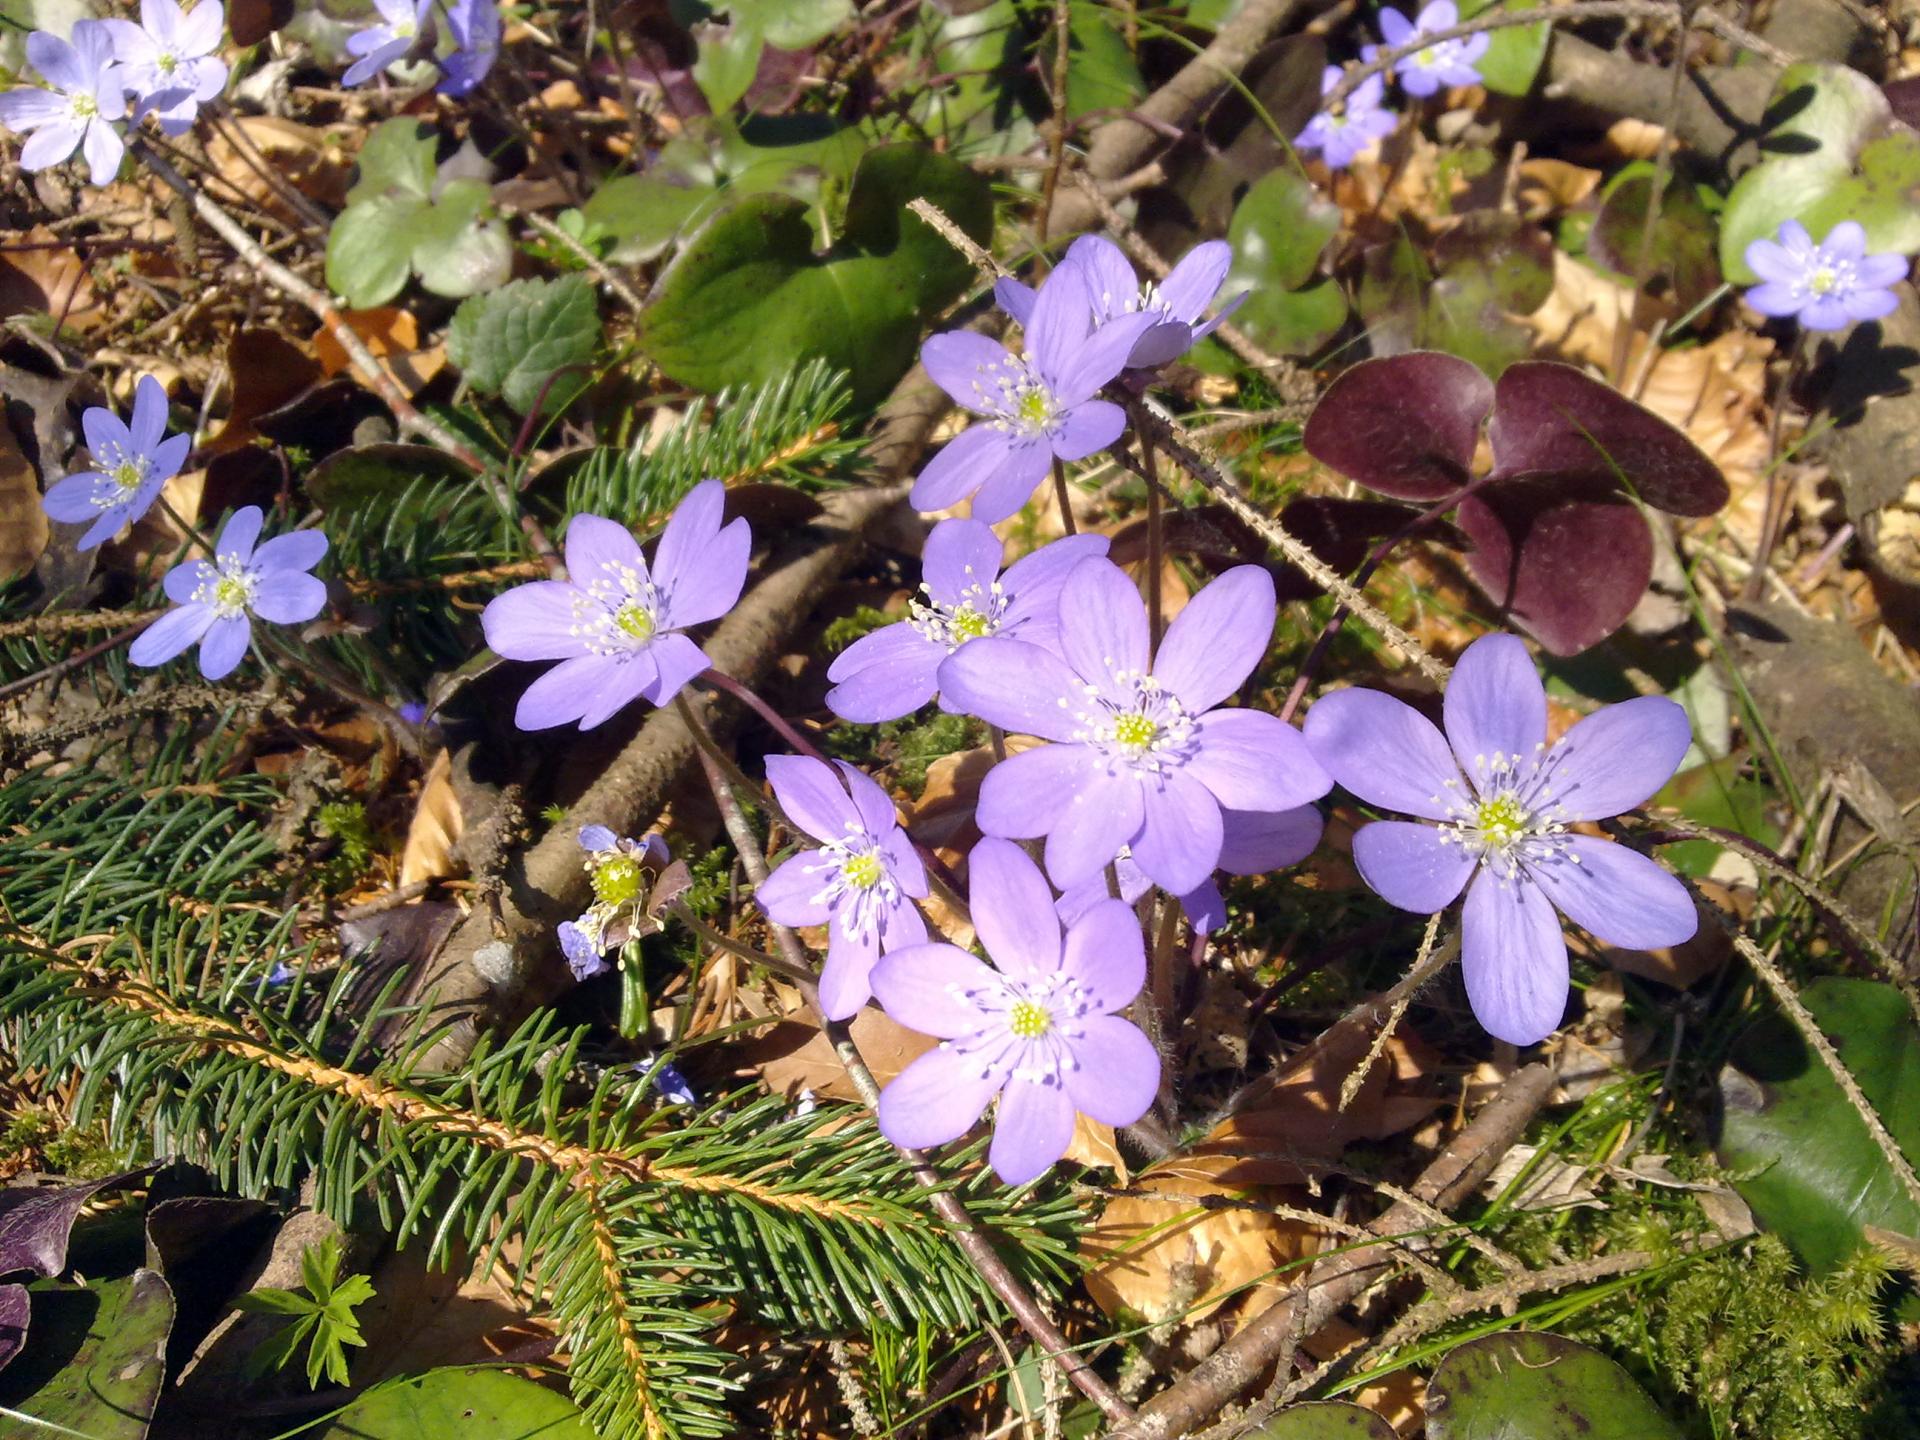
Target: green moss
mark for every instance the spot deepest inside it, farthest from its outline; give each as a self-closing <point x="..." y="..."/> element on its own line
<point x="849" y="628"/>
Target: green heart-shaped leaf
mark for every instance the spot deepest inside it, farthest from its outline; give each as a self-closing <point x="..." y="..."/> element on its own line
<point x="95" y="1360"/>
<point x="460" y="1403"/>
<point x="1322" y="1420"/>
<point x="1514" y="54"/>
<point x="1525" y="1386"/>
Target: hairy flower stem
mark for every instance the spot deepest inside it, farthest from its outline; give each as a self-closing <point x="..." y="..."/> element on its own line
<point x="1060" y="491"/>
<point x="973" y="1242"/>
<point x="1774" y="514"/>
<point x="713" y="937"/>
<point x="1156" y="542"/>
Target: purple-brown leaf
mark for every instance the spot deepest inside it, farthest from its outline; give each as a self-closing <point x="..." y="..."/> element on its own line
<point x="35" y="1221"/>
<point x="15" y="1310"/>
<point x="1405" y="425"/>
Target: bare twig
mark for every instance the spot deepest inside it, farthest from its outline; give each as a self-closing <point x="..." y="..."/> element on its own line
<point x="601" y="271"/>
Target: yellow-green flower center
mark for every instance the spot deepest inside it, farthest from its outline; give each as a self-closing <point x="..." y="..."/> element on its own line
<point x="1136" y="732"/>
<point x="969" y="624"/>
<point x="1028" y="1020"/>
<point x="636" y="620"/>
<point x="404" y="29"/>
<point x="861" y="871"/>
<point x="1500" y="821"/>
<point x="231" y="593"/>
<point x="127" y="476"/>
<point x="85" y="107"/>
<point x="1035" y="408"/>
<point x="1822" y="280"/>
<point x="168" y="62"/>
<point x="616" y="881"/>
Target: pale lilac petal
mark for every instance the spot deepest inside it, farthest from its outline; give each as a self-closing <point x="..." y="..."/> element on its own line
<point x="964" y="464"/>
<point x="939" y="1097"/>
<point x="70" y="500"/>
<point x="1408" y="865"/>
<point x="165" y="460"/>
<point x="1191" y="285"/>
<point x="1179" y="839"/>
<point x="1165" y="342"/>
<point x="959" y="555"/>
<point x="1057" y="330"/>
<point x="199" y="30"/>
<point x="693" y="549"/>
<point x="1862" y="305"/>
<point x="901" y="926"/>
<point x="51" y="143"/>
<point x="629" y="680"/>
<point x="1880" y="271"/>
<point x="1495" y="703"/>
<point x="1255" y="761"/>
<point x="584" y="957"/>
<point x="533" y="622"/>
<point x="870" y="802"/>
<point x="237" y="538"/>
<point x="1253" y="842"/>
<point x="28" y="109"/>
<point x="149" y="421"/>
<point x="1395" y="28"/>
<point x="1846" y="241"/>
<point x="1616" y="758"/>
<point x="1826" y="312"/>
<point x="1772" y="262"/>
<point x="884" y="675"/>
<point x="1088" y="827"/>
<point x="170" y="634"/>
<point x="1103" y="628"/>
<point x="791" y="894"/>
<point x="184" y="580"/>
<point x="112" y="520"/>
<point x="1026" y="795"/>
<point x="676" y="660"/>
<point x="1033" y="1128"/>
<point x="58" y="62"/>
<point x="915" y="985"/>
<point x="1776" y="298"/>
<point x="846" y="980"/>
<point x="1111" y="282"/>
<point x="1205" y="906"/>
<point x="1090" y="426"/>
<point x="1019" y="687"/>
<point x="597" y="546"/>
<point x="1099" y="360"/>
<point x="566" y="692"/>
<point x="224" y="646"/>
<point x="104" y="150"/>
<point x="1514" y="960"/>
<point x="1032" y="586"/>
<point x="1105" y="954"/>
<point x="1014" y="298"/>
<point x="1012" y="910"/>
<point x="810" y="794"/>
<point x="1618" y="895"/>
<point x="1383" y="751"/>
<point x="1118" y="1071"/>
<point x="959" y="362"/>
<point x="1021" y="467"/>
<point x="296" y="550"/>
<point x="596" y="838"/>
<point x="107" y="435"/>
<point x="1214" y="642"/>
<point x="288" y="597"/>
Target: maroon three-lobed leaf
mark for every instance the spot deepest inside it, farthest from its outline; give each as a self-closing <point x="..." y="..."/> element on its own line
<point x="1556" y="539"/>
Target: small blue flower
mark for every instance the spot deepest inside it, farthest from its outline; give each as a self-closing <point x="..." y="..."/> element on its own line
<point x="134" y="462"/>
<point x="475" y="25"/>
<point x="617" y="867"/>
<point x="89" y="93"/>
<point x="1828" y="286"/>
<point x="1344" y="135"/>
<point x="669" y="1083"/>
<point x="379" y="46"/>
<point x="1447" y="62"/>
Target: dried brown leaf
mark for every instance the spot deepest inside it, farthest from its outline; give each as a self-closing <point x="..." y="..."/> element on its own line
<point x="23" y="524"/>
<point x="436" y="828"/>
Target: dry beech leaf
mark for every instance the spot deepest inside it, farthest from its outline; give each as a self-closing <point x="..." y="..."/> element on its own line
<point x="390" y="335"/>
<point x="1552" y="1184"/>
<point x="311" y="160"/>
<point x="436" y="827"/>
<point x="1093" y="1145"/>
<point x="943" y="816"/>
<point x="49" y="279"/>
<point x="1549" y="186"/>
<point x="1631" y="139"/>
<point x="1399" y="1398"/>
<point x="23" y="524"/>
<point x="269" y="370"/>
<point x="795" y="1055"/>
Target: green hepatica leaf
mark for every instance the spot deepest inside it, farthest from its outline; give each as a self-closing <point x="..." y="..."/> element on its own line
<point x="1834" y="152"/>
<point x="458" y="249"/>
<point x="1681" y="250"/>
<point x="1279" y="229"/>
<point x="370" y="249"/>
<point x="396" y="160"/>
<point x="1813" y="1173"/>
<point x="96" y="1357"/>
<point x="1323" y="1420"/>
<point x="1101" y="73"/>
<point x="509" y="342"/>
<point x="1526" y="1386"/>
<point x="748" y="298"/>
<point x="460" y="1403"/>
<point x="1514" y="54"/>
<point x="794" y="24"/>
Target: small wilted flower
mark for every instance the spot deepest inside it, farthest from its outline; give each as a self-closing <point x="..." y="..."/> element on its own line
<point x="379" y="46"/>
<point x="617" y="868"/>
<point x="168" y="59"/>
<point x="1037" y="1028"/>
<point x="1343" y="136"/>
<point x="615" y="622"/>
<point x="894" y="670"/>
<point x="1446" y="62"/>
<point x="89" y="93"/>
<point x="861" y="882"/>
<point x="1175" y="303"/>
<point x="1502" y="801"/>
<point x="216" y="602"/>
<point x="475" y="26"/>
<point x="1035" y="406"/>
<point x="134" y="461"/>
<point x="1828" y="286"/>
<point x="1142" y="753"/>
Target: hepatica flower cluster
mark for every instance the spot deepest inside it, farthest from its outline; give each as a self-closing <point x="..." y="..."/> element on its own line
<point x="1827" y="286"/>
<point x="617" y="869"/>
<point x="1340" y="134"/>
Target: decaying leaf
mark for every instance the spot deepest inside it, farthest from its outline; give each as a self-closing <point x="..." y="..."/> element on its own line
<point x="436" y="827"/>
<point x="796" y="1055"/>
<point x="23" y="524"/>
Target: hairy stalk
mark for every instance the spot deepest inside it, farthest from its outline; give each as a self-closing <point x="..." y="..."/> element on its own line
<point x="1067" y="527"/>
<point x="1774" y="515"/>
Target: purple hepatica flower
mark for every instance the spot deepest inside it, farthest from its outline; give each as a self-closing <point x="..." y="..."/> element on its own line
<point x="1141" y="757"/>
<point x="1037" y="405"/>
<point x="893" y="671"/>
<point x="1176" y="303"/>
<point x="615" y="623"/>
<point x="134" y="462"/>
<point x="1503" y="800"/>
<point x="616" y="866"/>
<point x="1039" y="1030"/>
<point x="89" y="93"/>
<point x="167" y="60"/>
<point x="1361" y="121"/>
<point x="475" y="25"/>
<point x="379" y="46"/>
<point x="860" y="883"/>
<point x="216" y="601"/>
<point x="1448" y="62"/>
<point x="1827" y="286"/>
<point x="1251" y="843"/>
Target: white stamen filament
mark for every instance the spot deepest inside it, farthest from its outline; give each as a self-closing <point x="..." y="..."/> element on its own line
<point x="1512" y="818"/>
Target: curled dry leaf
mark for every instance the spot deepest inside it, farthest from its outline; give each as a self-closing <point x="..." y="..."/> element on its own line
<point x="796" y="1055"/>
<point x="392" y="336"/>
<point x="310" y="160"/>
<point x="42" y="274"/>
<point x="436" y="827"/>
<point x="23" y="524"/>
